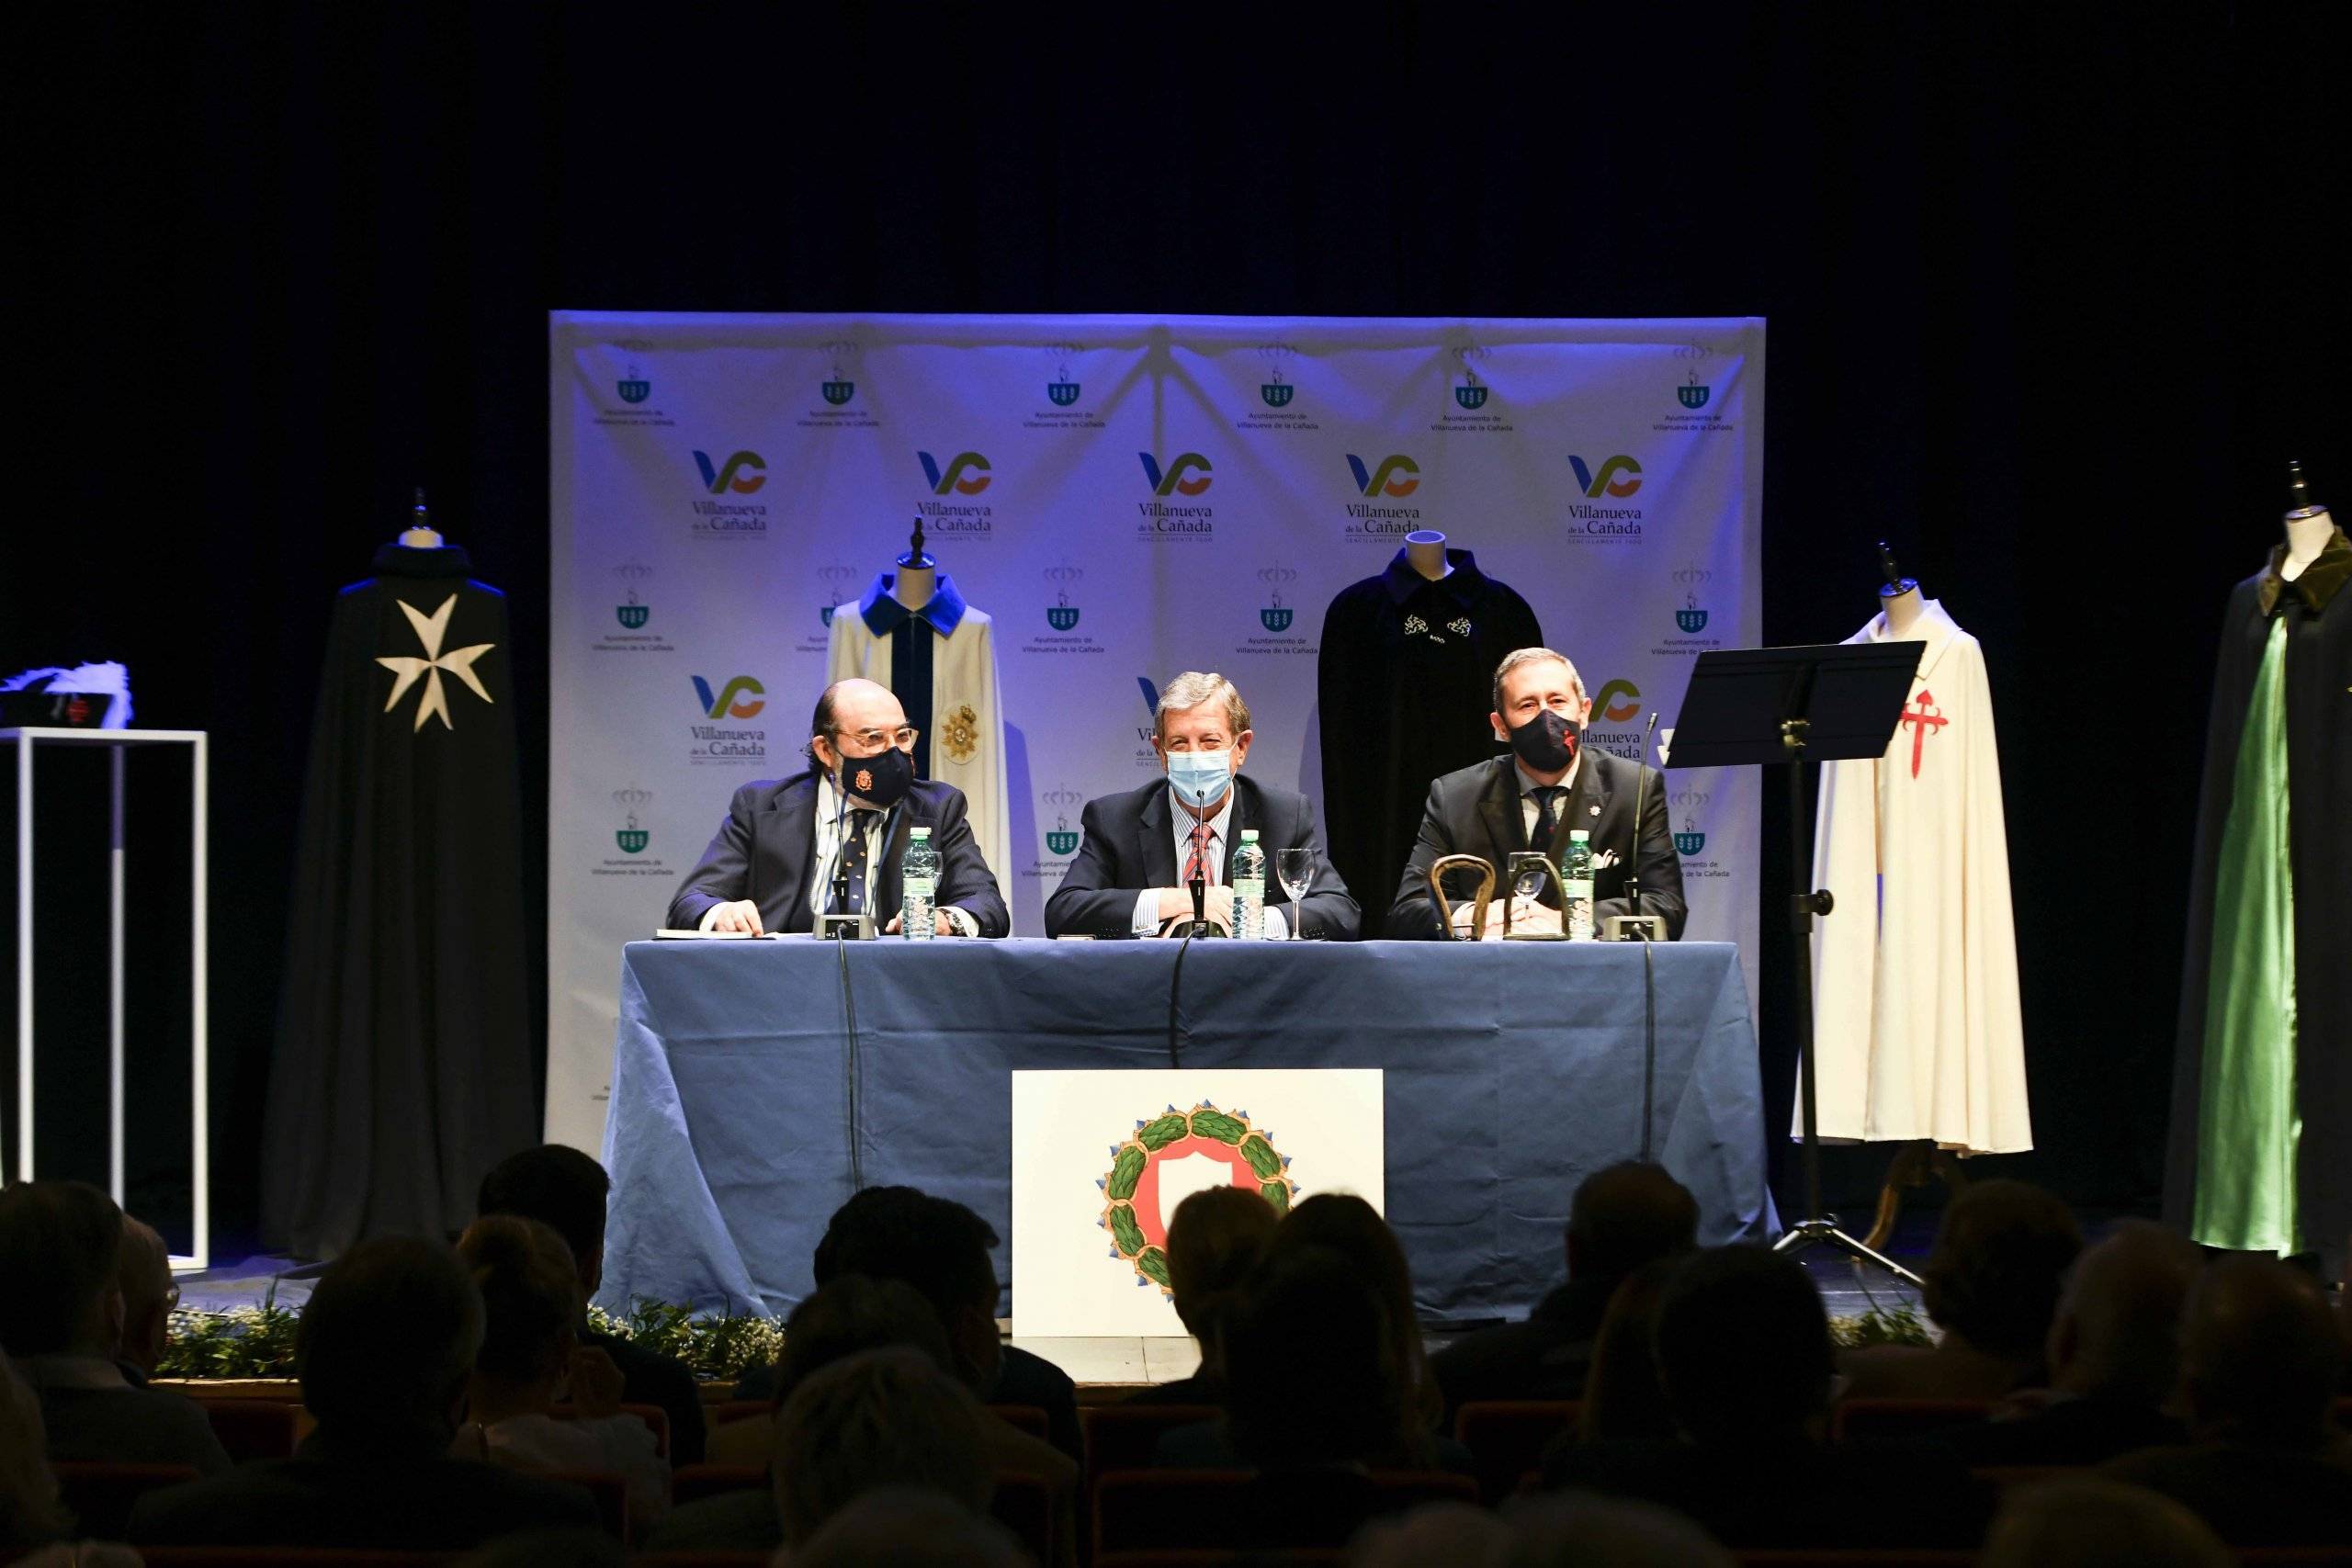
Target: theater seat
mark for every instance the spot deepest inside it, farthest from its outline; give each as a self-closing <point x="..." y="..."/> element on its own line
<point x="290" y="1557"/>
<point x="693" y="1483"/>
<point x="1123" y="1437"/>
<point x="1884" y="1418"/>
<point x="1228" y="1509"/>
<point x="1022" y="1417"/>
<point x="1507" y="1438"/>
<point x="609" y="1491"/>
<point x="1297" y="1557"/>
<point x="255" y="1428"/>
<point x="101" y="1496"/>
<point x="1896" y="1557"/>
<point x="1024" y="1505"/>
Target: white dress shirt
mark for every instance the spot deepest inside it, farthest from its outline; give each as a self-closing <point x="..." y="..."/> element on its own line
<point x="1180" y="826"/>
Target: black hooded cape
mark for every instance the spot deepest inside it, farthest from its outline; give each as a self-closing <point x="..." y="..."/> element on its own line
<point x="2319" y="812"/>
<point x="402" y="1069"/>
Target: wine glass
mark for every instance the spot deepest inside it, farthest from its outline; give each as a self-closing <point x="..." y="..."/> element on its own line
<point x="1296" y="867"/>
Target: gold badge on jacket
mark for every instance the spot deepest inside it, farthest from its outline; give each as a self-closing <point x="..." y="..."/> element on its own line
<point x="961" y="734"/>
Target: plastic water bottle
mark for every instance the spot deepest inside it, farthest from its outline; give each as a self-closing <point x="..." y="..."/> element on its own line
<point x="1575" y="871"/>
<point x="1249" y="888"/>
<point x="918" y="882"/>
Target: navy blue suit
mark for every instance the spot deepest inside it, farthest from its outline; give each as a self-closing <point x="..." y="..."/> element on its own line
<point x="764" y="850"/>
<point x="1130" y="845"/>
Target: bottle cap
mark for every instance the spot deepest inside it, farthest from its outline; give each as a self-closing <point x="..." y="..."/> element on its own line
<point x="1578" y="836"/>
<point x="1248" y="835"/>
<point x="921" y="832"/>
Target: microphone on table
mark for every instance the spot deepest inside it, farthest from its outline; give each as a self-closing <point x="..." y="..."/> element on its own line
<point x="1634" y="926"/>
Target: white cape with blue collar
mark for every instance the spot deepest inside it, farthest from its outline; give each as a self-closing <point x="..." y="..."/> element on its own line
<point x="1917" y="1030"/>
<point x="965" y="723"/>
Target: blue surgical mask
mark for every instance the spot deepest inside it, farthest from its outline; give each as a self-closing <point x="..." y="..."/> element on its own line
<point x="1199" y="777"/>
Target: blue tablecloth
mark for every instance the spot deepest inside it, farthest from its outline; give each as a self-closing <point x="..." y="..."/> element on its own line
<point x="1513" y="1071"/>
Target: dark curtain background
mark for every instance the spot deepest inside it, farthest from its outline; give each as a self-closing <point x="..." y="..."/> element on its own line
<point x="2047" y="310"/>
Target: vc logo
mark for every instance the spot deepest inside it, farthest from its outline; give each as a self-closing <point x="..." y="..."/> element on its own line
<point x="1618" y="701"/>
<point x="1383" y="480"/>
<point x="732" y="474"/>
<point x="1173" y="481"/>
<point x="727" y="704"/>
<point x="1606" y="479"/>
<point x="940" y="483"/>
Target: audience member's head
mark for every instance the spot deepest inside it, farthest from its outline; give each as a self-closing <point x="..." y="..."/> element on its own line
<point x="58" y="1243"/>
<point x="1214" y="1239"/>
<point x="1452" y="1533"/>
<point x="1314" y="1377"/>
<point x="143" y="1273"/>
<point x="2117" y="1334"/>
<point x="853" y="1313"/>
<point x="1623" y="1399"/>
<point x="1625" y="1214"/>
<point x="563" y="1188"/>
<point x="1348" y="1226"/>
<point x="2088" y="1521"/>
<point x="530" y="1300"/>
<point x="879" y="1418"/>
<point x="1993" y="1275"/>
<point x="388" y="1341"/>
<point x="29" y="1511"/>
<point x="2260" y="1356"/>
<point x="902" y="1528"/>
<point x="1743" y="1347"/>
<point x="941" y="1248"/>
<point x="1580" y="1529"/>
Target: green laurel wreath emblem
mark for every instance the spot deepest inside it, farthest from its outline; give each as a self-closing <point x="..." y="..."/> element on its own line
<point x="1143" y="1149"/>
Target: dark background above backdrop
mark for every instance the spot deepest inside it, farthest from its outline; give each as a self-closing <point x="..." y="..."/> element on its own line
<point x="2046" y="304"/>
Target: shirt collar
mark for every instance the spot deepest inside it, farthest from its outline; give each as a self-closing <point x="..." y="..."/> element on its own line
<point x="2319" y="582"/>
<point x="1528" y="782"/>
<point x="1403" y="581"/>
<point x="884" y="614"/>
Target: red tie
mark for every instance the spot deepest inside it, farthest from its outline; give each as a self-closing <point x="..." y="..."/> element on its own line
<point x="1192" y="867"/>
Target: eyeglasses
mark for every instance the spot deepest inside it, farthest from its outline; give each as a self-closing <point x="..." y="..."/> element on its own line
<point x="903" y="737"/>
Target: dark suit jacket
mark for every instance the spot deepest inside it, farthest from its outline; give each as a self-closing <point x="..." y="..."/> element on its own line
<point x="2066" y="1431"/>
<point x="1477" y="811"/>
<point x="1130" y="846"/>
<point x="408" y="1496"/>
<point x="767" y="846"/>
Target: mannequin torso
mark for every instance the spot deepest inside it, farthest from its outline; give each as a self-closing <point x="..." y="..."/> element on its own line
<point x="1901" y="608"/>
<point x="913" y="586"/>
<point x="2308" y="532"/>
<point x="1425" y="553"/>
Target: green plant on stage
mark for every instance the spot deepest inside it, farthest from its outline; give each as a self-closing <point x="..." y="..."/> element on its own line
<point x="244" y="1342"/>
<point x="1881" y="1325"/>
<point x="258" y="1341"/>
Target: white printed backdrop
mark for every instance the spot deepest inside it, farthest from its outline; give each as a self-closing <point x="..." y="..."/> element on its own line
<point x="1129" y="497"/>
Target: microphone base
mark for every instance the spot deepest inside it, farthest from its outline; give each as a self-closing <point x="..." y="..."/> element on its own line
<point x="1199" y="930"/>
<point x="851" y="928"/>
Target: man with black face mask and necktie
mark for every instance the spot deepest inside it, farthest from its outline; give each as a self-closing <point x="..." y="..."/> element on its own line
<point x="1550" y="785"/>
<point x="829" y="840"/>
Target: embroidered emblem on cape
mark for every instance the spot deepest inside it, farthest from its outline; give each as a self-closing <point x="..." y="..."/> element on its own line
<point x="961" y="734"/>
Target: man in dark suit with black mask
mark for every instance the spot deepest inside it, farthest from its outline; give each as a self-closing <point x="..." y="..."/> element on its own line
<point x="831" y="839"/>
<point x="1551" y="785"/>
<point x="1132" y="875"/>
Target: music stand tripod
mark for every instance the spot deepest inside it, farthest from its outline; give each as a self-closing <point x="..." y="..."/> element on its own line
<point x="1793" y="707"/>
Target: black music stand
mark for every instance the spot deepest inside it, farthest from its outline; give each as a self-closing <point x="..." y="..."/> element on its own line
<point x="1794" y="706"/>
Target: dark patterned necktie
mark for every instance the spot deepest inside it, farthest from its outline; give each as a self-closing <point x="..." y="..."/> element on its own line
<point x="853" y="893"/>
<point x="1547" y="814"/>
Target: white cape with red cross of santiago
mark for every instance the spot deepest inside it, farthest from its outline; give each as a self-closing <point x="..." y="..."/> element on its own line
<point x="1914" y="973"/>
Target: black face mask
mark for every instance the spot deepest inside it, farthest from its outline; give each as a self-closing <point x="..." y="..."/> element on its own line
<point x="1547" y="743"/>
<point x="883" y="779"/>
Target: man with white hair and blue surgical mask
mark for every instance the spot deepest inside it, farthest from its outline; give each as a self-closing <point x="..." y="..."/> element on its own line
<point x="1133" y="872"/>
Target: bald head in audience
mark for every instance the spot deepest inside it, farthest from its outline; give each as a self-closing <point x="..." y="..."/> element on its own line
<point x="2260" y="1356"/>
<point x="2091" y="1522"/>
<point x="2116" y="1334"/>
<point x="143" y="1269"/>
